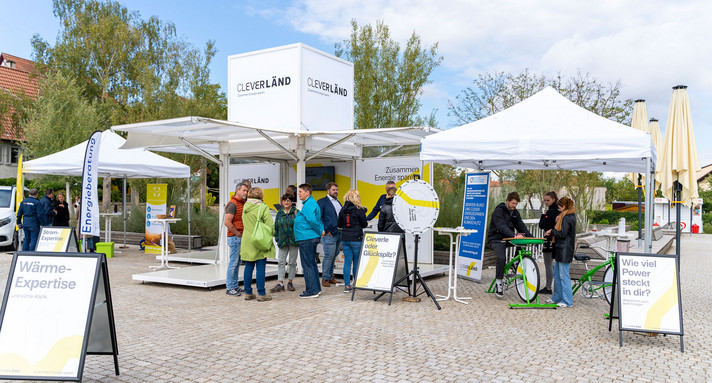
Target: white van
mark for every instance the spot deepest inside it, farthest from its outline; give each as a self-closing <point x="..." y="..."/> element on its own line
<point x="8" y="215"/>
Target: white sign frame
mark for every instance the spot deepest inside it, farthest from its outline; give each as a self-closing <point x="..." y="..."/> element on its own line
<point x="51" y="239"/>
<point x="385" y="272"/>
<point x="47" y="326"/>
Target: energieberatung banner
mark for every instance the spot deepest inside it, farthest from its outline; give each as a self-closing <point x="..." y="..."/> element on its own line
<point x="90" y="181"/>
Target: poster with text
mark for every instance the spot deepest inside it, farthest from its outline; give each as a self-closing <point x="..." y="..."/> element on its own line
<point x="649" y="293"/>
<point x="156" y="197"/>
<point x="378" y="261"/>
<point x="474" y="217"/>
<point x="46" y="313"/>
<point x="262" y="175"/>
<point x="54" y="239"/>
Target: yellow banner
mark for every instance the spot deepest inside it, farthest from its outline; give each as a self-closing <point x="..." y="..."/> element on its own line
<point x="156" y="198"/>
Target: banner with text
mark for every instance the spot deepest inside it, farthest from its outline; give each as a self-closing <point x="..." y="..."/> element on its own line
<point x="45" y="318"/>
<point x="156" y="197"/>
<point x="263" y="175"/>
<point x="56" y="239"/>
<point x="90" y="179"/>
<point x="378" y="261"/>
<point x="474" y="217"/>
<point x="649" y="293"/>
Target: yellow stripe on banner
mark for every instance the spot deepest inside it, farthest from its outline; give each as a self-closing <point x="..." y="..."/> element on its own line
<point x="662" y="306"/>
<point x="368" y="271"/>
<point x="531" y="287"/>
<point x="469" y="268"/>
<point x="63" y="235"/>
<point x="415" y="202"/>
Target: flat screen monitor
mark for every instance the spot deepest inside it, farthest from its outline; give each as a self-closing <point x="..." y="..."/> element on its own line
<point x="319" y="176"/>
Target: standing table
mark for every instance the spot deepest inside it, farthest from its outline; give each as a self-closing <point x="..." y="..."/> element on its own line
<point x="452" y="277"/>
<point x="107" y="226"/>
<point x="164" y="222"/>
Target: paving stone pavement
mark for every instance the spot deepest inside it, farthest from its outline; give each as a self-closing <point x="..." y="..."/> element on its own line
<point x="184" y="334"/>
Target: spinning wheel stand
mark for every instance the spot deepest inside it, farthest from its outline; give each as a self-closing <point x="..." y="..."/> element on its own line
<point x="413" y="294"/>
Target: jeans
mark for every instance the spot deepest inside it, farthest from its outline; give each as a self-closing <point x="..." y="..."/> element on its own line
<point x="30" y="241"/>
<point x="351" y="253"/>
<point x="307" y="256"/>
<point x="332" y="246"/>
<point x="549" y="266"/>
<point x="500" y="250"/>
<point x="282" y="261"/>
<point x="259" y="279"/>
<point x="562" y="284"/>
<point x="233" y="266"/>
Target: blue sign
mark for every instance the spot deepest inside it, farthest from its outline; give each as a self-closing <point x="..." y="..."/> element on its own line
<point x="474" y="217"/>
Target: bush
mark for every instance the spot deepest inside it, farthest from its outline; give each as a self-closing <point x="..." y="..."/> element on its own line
<point x="597" y="216"/>
<point x="604" y="222"/>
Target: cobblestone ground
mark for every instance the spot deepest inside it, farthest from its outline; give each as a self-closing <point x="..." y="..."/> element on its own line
<point x="176" y="334"/>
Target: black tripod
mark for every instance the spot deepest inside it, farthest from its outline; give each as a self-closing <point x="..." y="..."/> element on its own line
<point x="415" y="274"/>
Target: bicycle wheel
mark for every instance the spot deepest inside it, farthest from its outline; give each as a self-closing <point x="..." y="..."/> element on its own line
<point x="529" y="268"/>
<point x="608" y="287"/>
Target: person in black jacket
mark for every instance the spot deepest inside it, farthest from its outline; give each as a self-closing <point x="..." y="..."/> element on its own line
<point x="565" y="241"/>
<point x="381" y="201"/>
<point x="61" y="207"/>
<point x="503" y="223"/>
<point x="351" y="221"/>
<point x="386" y="219"/>
<point x="546" y="222"/>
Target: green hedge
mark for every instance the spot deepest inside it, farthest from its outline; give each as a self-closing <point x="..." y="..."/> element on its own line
<point x="596" y="216"/>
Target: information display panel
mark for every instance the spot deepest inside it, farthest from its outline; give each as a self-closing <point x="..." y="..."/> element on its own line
<point x="57" y="239"/>
<point x="474" y="217"/>
<point x="46" y="312"/>
<point x="380" y="261"/>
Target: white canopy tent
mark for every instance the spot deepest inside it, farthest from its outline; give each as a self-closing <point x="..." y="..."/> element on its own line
<point x="114" y="162"/>
<point x="226" y="139"/>
<point x="547" y="131"/>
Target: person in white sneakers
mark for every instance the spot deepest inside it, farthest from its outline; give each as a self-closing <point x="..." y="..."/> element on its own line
<point x="505" y="223"/>
<point x="565" y="241"/>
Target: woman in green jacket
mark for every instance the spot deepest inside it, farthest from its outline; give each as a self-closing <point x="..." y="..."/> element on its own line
<point x="284" y="234"/>
<point x="255" y="210"/>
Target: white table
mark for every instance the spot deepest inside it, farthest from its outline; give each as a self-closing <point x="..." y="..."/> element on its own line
<point x="452" y="277"/>
<point x="107" y="226"/>
<point x="164" y="222"/>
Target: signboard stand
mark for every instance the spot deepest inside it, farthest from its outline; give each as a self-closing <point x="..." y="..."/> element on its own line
<point x="474" y="217"/>
<point x="381" y="261"/>
<point x="57" y="309"/>
<point x="401" y="271"/>
<point x="648" y="287"/>
<point x="57" y="239"/>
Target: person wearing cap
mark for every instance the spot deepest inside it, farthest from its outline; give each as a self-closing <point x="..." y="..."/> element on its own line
<point x="28" y="218"/>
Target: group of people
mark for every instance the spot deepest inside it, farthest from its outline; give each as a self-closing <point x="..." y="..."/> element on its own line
<point x="35" y="213"/>
<point x="559" y="225"/>
<point x="327" y="221"/>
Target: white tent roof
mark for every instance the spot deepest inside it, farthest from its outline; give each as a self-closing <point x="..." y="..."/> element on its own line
<point x="545" y="131"/>
<point x="113" y="162"/>
<point x="191" y="134"/>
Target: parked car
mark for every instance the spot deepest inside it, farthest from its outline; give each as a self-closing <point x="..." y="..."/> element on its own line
<point x="8" y="215"/>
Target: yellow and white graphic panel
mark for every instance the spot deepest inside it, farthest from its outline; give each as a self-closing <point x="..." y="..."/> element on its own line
<point x="156" y="197"/>
<point x="262" y="175"/>
<point x="378" y="261"/>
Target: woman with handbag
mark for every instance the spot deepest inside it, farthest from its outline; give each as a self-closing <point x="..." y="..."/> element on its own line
<point x="257" y="244"/>
<point x="351" y="221"/>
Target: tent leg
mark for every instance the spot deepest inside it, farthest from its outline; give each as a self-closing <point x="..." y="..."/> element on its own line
<point x="123" y="201"/>
<point x="640" y="210"/>
<point x="189" y="209"/>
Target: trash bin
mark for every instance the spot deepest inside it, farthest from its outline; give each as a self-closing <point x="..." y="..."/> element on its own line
<point x="695" y="229"/>
<point x="106" y="248"/>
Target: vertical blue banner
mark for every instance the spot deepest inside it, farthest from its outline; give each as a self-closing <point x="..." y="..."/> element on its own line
<point x="474" y="217"/>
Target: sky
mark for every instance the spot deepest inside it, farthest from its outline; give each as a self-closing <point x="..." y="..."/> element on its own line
<point x="649" y="46"/>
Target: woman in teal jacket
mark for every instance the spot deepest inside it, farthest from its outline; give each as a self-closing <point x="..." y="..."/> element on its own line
<point x="253" y="211"/>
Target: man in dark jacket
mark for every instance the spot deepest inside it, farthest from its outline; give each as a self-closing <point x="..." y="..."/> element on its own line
<point x="28" y="219"/>
<point x="503" y="223"/>
<point x="381" y="201"/>
<point x="386" y="220"/>
<point x="48" y="212"/>
<point x="331" y="236"/>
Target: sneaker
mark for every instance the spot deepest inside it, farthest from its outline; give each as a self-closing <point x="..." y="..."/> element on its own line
<point x="233" y="292"/>
<point x="306" y="295"/>
<point x="264" y="298"/>
<point x="249" y="297"/>
<point x="562" y="304"/>
<point x="498" y="291"/>
<point x="550" y="301"/>
<point x="325" y="283"/>
<point x="347" y="289"/>
<point x="277" y="289"/>
<point x="290" y="286"/>
<point x="545" y="291"/>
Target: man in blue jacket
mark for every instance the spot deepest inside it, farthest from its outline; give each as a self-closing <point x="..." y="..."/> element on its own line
<point x="307" y="233"/>
<point x="28" y="219"/>
<point x="331" y="236"/>
<point x="48" y="212"/>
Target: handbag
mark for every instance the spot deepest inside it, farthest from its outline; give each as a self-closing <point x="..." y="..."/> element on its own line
<point x="261" y="236"/>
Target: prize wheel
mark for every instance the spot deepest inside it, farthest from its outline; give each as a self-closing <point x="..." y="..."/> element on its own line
<point x="416" y="206"/>
<point x="529" y="268"/>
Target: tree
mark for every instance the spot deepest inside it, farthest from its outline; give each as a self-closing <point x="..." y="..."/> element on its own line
<point x="494" y="92"/>
<point x="388" y="83"/>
